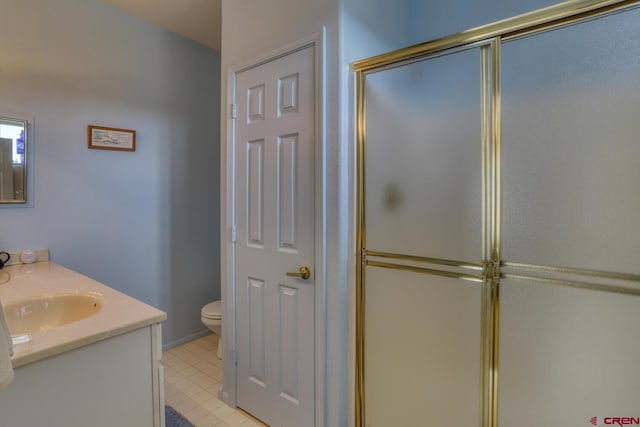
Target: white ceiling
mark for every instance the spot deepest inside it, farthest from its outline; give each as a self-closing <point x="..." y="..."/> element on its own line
<point x="197" y="20"/>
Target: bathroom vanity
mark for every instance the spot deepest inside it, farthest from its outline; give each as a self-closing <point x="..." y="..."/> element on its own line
<point x="85" y="354"/>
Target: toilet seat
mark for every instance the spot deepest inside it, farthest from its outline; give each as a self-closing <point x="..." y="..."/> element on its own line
<point x="212" y="311"/>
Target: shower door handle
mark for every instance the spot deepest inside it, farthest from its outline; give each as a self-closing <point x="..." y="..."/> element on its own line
<point x="304" y="273"/>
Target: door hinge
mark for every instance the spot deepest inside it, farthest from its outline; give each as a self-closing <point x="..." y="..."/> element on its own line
<point x="234" y="234"/>
<point x="235" y="356"/>
<point x="234" y="111"/>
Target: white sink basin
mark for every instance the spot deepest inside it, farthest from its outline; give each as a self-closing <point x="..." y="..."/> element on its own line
<point x="50" y="311"/>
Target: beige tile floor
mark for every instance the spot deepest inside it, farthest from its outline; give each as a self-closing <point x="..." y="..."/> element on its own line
<point x="192" y="376"/>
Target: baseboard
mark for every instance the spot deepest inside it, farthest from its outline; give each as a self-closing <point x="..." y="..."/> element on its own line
<point x="223" y="396"/>
<point x="189" y="338"/>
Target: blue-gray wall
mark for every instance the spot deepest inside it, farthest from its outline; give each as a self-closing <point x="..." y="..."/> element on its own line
<point x="145" y="223"/>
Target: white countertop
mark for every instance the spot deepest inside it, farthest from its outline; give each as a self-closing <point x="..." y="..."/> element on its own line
<point x="120" y="313"/>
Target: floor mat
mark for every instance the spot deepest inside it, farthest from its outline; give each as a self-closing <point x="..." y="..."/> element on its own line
<point x="174" y="419"/>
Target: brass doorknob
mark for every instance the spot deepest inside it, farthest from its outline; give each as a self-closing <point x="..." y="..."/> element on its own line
<point x="304" y="273"/>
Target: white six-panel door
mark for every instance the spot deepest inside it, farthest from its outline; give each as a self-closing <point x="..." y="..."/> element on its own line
<point x="274" y="219"/>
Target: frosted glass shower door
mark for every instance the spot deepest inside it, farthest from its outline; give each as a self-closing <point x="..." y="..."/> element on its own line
<point x="570" y="304"/>
<point x="499" y="226"/>
<point x="424" y="221"/>
<point x="567" y="355"/>
<point x="571" y="146"/>
<point x="422" y="347"/>
<point x="423" y="158"/>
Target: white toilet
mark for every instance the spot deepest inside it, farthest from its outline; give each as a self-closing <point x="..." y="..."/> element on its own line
<point x="212" y="319"/>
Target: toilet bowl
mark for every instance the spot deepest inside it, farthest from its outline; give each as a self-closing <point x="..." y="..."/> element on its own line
<point x="212" y="319"/>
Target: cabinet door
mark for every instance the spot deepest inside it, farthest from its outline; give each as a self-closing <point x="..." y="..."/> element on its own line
<point x="104" y="384"/>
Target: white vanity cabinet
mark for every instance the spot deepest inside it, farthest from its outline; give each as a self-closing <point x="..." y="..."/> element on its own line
<point x="114" y="382"/>
<point x="100" y="371"/>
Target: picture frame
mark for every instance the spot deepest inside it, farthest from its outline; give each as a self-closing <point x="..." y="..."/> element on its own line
<point x="107" y="138"/>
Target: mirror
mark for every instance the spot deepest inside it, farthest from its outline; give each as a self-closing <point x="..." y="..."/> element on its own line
<point x="13" y="160"/>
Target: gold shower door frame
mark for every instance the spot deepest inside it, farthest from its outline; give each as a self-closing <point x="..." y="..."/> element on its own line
<point x="492" y="268"/>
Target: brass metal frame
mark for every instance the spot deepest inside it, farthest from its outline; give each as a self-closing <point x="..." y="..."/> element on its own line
<point x="438" y="261"/>
<point x="486" y="316"/>
<point x="430" y="271"/>
<point x="573" y="271"/>
<point x="488" y="39"/>
<point x="548" y="17"/>
<point x="361" y="244"/>
<point x="494" y="266"/>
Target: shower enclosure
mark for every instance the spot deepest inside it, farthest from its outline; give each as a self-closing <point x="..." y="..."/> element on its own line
<point x="499" y="224"/>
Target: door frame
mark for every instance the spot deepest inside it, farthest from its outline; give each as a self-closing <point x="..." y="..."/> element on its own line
<point x="228" y="392"/>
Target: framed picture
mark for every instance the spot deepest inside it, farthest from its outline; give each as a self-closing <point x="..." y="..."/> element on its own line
<point x="103" y="138"/>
